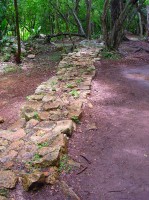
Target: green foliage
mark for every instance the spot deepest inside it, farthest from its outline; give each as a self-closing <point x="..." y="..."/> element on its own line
<point x="75" y="119"/>
<point x="70" y="86"/>
<point x="112" y="55"/>
<point x="44" y="144"/>
<point x="64" y="165"/>
<point x="36" y="157"/>
<point x="6" y="57"/>
<point x="78" y="81"/>
<point x="4" y="192"/>
<point x="75" y="93"/>
<point x="55" y="57"/>
<point x="90" y="69"/>
<point x="12" y="69"/>
<point x="36" y="116"/>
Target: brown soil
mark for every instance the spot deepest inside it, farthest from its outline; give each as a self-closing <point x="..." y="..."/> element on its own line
<point x="118" y="150"/>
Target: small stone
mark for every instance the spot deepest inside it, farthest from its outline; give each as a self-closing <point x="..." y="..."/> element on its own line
<point x="1" y="120"/>
<point x="92" y="126"/>
<point x="31" y="56"/>
<point x="90" y="105"/>
<point x="8" y="179"/>
<point x="33" y="181"/>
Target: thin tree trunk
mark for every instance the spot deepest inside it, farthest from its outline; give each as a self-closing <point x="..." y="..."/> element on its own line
<point x="148" y="23"/>
<point x="140" y="24"/>
<point x="18" y="55"/>
<point x="88" y="18"/>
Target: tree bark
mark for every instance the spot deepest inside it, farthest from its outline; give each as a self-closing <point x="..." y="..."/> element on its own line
<point x="88" y="18"/>
<point x="148" y="23"/>
<point x="18" y="54"/>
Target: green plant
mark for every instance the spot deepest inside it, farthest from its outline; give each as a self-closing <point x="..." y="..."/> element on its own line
<point x="36" y="157"/>
<point x="41" y="145"/>
<point x="28" y="98"/>
<point x="11" y="69"/>
<point x="64" y="165"/>
<point x="75" y="119"/>
<point x="4" y="192"/>
<point x="75" y="93"/>
<point x="55" y="57"/>
<point x="36" y="116"/>
<point x="6" y="57"/>
<point x="53" y="83"/>
<point x="111" y="55"/>
<point x="68" y="65"/>
<point x="90" y="69"/>
<point x="70" y="86"/>
<point x="60" y="78"/>
<point x="78" y="81"/>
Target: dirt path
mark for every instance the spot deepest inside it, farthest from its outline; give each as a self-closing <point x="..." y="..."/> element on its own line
<point x="119" y="149"/>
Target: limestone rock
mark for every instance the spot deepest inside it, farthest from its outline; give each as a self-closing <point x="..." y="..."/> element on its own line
<point x="75" y="109"/>
<point x="65" y="127"/>
<point x="37" y="97"/>
<point x="51" y="106"/>
<point x="12" y="135"/>
<point x="52" y="176"/>
<point x="3" y="198"/>
<point x="31" y="56"/>
<point x="45" y="125"/>
<point x="8" y="156"/>
<point x="43" y="115"/>
<point x="49" y="98"/>
<point x="8" y="179"/>
<point x="51" y="157"/>
<point x="20" y="123"/>
<point x="33" y="181"/>
<point x="31" y="123"/>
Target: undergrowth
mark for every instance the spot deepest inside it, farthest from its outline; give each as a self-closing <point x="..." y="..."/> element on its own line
<point x="111" y="55"/>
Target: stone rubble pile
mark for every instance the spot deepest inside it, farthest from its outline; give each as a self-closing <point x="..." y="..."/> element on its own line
<point x="30" y="150"/>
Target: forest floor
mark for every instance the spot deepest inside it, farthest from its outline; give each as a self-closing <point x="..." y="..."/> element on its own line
<point x="112" y="141"/>
<point x="16" y="85"/>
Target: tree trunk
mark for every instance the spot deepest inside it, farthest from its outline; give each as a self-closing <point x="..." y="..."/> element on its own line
<point x="18" y="54"/>
<point x="148" y="23"/>
<point x="88" y="18"/>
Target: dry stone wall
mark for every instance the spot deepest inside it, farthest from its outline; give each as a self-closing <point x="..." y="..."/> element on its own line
<point x="31" y="148"/>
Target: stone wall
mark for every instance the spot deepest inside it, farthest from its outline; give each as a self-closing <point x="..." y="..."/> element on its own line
<point x="31" y="148"/>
